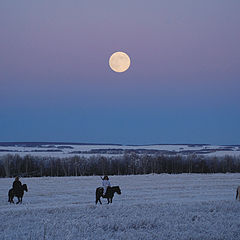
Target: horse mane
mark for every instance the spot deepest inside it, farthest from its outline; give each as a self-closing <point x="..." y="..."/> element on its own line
<point x="24" y="187"/>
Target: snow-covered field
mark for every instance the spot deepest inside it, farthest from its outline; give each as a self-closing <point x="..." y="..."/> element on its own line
<point x="186" y="206"/>
<point x="68" y="150"/>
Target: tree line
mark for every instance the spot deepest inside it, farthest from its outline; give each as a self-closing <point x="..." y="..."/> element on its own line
<point x="32" y="166"/>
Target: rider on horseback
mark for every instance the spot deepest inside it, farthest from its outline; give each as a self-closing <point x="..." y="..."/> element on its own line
<point x="106" y="184"/>
<point x="17" y="185"/>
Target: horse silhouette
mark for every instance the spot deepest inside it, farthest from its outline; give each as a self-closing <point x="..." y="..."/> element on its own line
<point x="19" y="194"/>
<point x="238" y="193"/>
<point x="109" y="193"/>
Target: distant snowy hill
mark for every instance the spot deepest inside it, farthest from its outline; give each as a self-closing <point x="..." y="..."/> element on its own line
<point x="56" y="149"/>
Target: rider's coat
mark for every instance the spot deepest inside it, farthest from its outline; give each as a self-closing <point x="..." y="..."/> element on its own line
<point x="105" y="183"/>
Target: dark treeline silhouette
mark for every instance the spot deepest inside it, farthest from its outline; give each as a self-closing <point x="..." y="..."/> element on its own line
<point x="32" y="166"/>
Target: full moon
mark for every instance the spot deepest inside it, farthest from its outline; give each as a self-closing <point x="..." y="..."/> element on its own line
<point x="119" y="62"/>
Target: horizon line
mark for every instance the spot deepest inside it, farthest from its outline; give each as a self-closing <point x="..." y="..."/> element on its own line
<point x="94" y="143"/>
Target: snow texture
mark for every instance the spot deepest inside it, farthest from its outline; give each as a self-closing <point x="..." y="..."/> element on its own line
<point x="184" y="206"/>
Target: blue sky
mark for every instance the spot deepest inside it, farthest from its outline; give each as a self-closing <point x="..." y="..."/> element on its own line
<point x="182" y="86"/>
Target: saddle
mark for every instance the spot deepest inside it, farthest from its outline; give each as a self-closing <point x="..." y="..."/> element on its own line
<point x="102" y="190"/>
<point x="16" y="191"/>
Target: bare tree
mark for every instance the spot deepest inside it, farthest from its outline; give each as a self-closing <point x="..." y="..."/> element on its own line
<point x="6" y="164"/>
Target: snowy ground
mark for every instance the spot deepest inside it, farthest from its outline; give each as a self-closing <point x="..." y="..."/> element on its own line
<point x="186" y="206"/>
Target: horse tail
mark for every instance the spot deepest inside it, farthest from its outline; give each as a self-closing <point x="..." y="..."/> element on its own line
<point x="9" y="195"/>
<point x="97" y="196"/>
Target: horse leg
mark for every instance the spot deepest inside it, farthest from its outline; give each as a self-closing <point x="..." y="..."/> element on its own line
<point x="11" y="199"/>
<point x="10" y="196"/>
<point x="98" y="199"/>
<point x="18" y="200"/>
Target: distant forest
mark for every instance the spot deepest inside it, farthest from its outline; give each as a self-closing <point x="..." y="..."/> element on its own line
<point x="128" y="164"/>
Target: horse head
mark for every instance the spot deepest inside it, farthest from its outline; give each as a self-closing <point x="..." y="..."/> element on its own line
<point x="118" y="190"/>
<point x="24" y="187"/>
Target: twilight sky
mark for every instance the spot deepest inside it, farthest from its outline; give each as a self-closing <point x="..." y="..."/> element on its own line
<point x="183" y="85"/>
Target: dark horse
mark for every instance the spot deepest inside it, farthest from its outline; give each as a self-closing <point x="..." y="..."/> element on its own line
<point x="109" y="193"/>
<point x="18" y="194"/>
<point x="238" y="193"/>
